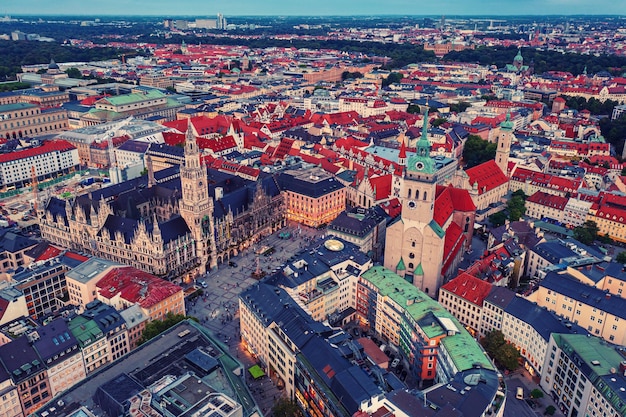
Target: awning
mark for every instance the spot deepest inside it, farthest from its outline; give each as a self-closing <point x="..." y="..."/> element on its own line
<point x="256" y="371"/>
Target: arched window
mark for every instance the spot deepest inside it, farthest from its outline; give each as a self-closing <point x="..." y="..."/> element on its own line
<point x="409" y="194"/>
<point x="425" y="195"/>
<point x="417" y="194"/>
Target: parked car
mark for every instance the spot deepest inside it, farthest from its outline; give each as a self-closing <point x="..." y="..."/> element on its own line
<point x="232" y="264"/>
<point x="395" y="362"/>
<point x="203" y="284"/>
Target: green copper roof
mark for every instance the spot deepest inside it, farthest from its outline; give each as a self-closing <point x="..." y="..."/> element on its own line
<point x="15" y="106"/>
<point x="507" y="124"/>
<point x="421" y="161"/>
<point x="401" y="266"/>
<point x="590" y="349"/>
<point x="86" y="331"/>
<point x="135" y="97"/>
<point x="419" y="270"/>
<point x="436" y="228"/>
<point x="519" y="56"/>
<point x="429" y="314"/>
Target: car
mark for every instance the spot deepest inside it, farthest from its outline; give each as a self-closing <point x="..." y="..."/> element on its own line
<point x="232" y="264"/>
<point x="519" y="393"/>
<point x="203" y="284"/>
<point x="395" y="362"/>
<point x="356" y="332"/>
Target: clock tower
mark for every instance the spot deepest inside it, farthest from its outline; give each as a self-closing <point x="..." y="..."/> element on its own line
<point x="414" y="243"/>
<point x="504" y="144"/>
<point x="419" y="185"/>
<point x="196" y="205"/>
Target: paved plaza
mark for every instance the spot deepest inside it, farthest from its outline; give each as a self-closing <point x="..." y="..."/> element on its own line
<point x="218" y="307"/>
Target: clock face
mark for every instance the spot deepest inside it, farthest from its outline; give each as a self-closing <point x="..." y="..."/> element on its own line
<point x="411" y="204"/>
<point x="419" y="165"/>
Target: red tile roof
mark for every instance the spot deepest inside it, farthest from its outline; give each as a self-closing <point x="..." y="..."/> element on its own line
<point x="47" y="147"/>
<point x="468" y="287"/>
<point x="136" y="286"/>
<point x="549" y="200"/>
<point x="452" y="244"/>
<point x="487" y="176"/>
<point x="49" y="253"/>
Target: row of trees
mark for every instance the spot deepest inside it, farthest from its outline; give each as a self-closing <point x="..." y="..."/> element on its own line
<point x="541" y="60"/>
<point x="17" y="53"/>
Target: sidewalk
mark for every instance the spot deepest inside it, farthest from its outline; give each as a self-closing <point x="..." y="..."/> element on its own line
<point x="529" y="384"/>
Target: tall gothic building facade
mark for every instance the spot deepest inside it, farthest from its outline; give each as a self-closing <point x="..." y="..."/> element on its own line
<point x="177" y="222"/>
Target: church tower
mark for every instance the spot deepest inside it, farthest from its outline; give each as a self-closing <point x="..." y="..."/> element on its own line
<point x="196" y="205"/>
<point x="414" y="243"/>
<point x="504" y="144"/>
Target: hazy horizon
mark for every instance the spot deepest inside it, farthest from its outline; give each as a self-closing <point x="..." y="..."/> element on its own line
<point x="200" y="8"/>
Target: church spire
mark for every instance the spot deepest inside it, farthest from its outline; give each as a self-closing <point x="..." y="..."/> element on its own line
<point x="423" y="145"/>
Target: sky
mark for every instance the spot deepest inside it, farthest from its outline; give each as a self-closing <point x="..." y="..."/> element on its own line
<point x="199" y="8"/>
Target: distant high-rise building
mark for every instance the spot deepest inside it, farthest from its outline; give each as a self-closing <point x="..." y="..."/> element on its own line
<point x="221" y="21"/>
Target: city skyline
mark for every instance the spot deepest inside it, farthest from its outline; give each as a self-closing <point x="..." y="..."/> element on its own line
<point x="449" y="8"/>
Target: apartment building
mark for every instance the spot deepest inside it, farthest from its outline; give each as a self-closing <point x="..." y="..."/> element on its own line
<point x="600" y="313"/>
<point x="323" y="279"/>
<point x="542" y="205"/>
<point x="312" y="197"/>
<point x="585" y="376"/>
<point x="559" y="254"/>
<point x="49" y="160"/>
<point x="28" y="373"/>
<point x="60" y="352"/>
<point x="44" y="287"/>
<point x="464" y="297"/>
<point x="92" y="342"/>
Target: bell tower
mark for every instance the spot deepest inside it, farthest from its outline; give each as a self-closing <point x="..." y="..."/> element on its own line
<point x="414" y="247"/>
<point x="420" y="181"/>
<point x="504" y="144"/>
<point x="196" y="206"/>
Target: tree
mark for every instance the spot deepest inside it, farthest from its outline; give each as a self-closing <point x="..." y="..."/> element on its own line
<point x="508" y="356"/>
<point x="439" y="121"/>
<point x="497" y="219"/>
<point x="74" y="73"/>
<point x="587" y="233"/>
<point x="505" y="354"/>
<point x="493" y="341"/>
<point x="476" y="151"/>
<point x="413" y="108"/>
<point x="621" y="257"/>
<point x="284" y="407"/>
<point x="516" y="207"/>
<point x="156" y="327"/>
<point x="394" y="77"/>
<point x="536" y="393"/>
<point x="550" y="410"/>
<point x="459" y="107"/>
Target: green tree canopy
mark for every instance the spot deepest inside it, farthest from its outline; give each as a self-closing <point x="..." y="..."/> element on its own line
<point x="284" y="407"/>
<point x="476" y="151"/>
<point x="587" y="233"/>
<point x="516" y="207"/>
<point x="156" y="327"/>
<point x="394" y="77"/>
<point x="505" y="354"/>
<point x="621" y="257"/>
<point x="498" y="219"/>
